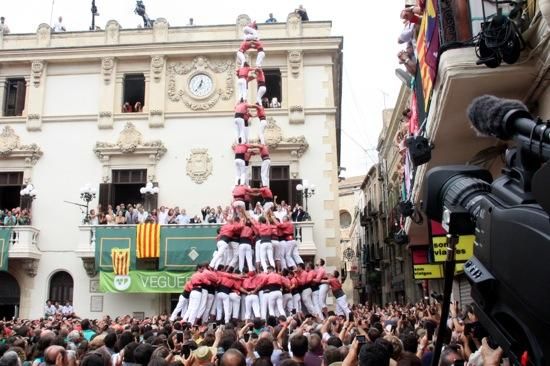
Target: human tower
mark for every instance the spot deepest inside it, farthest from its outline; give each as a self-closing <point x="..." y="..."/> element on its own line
<point x="256" y="269"/>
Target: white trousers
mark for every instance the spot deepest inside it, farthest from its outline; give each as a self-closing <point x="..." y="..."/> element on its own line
<point x="276" y="250"/>
<point x="252" y="307"/>
<point x="264" y="172"/>
<point x="276" y="303"/>
<point x="297" y="300"/>
<point x="260" y="58"/>
<point x="323" y="292"/>
<point x="342" y="307"/>
<point x="316" y="305"/>
<point x="235" y="304"/>
<point x="245" y="252"/>
<point x="219" y="255"/>
<point x="233" y="255"/>
<point x="241" y="58"/>
<point x="288" y="303"/>
<point x="181" y="307"/>
<point x="294" y="252"/>
<point x="240" y="172"/>
<point x="239" y="130"/>
<point x="263" y="124"/>
<point x="208" y="307"/>
<point x="194" y="305"/>
<point x="308" y="303"/>
<point x="260" y="94"/>
<point x="266" y="255"/>
<point x="223" y="306"/>
<point x="263" y="304"/>
<point x="288" y="248"/>
<point x="242" y="88"/>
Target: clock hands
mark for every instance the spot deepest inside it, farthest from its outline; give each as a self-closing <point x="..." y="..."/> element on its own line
<point x="198" y="87"/>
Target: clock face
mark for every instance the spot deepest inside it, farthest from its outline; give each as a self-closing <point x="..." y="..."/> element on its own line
<point x="200" y="85"/>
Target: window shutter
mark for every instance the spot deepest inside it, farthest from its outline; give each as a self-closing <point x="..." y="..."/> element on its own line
<point x="20" y="98"/>
<point x="154" y="198"/>
<point x="105" y="195"/>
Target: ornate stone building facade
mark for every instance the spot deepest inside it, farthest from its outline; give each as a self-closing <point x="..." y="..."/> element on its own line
<point x="63" y="127"/>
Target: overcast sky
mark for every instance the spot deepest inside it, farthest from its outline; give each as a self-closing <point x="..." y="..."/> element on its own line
<point x="369" y="35"/>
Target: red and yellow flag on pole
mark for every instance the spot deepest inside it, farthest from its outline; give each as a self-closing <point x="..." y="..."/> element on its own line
<point x="148" y="241"/>
<point x="121" y="261"/>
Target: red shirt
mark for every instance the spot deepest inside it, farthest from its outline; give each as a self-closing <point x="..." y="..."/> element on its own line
<point x="198" y="279"/>
<point x="211" y="276"/>
<point x="274" y="230"/>
<point x="246" y="45"/>
<point x="241" y="191"/>
<point x="187" y="286"/>
<point x="301" y="278"/>
<point x="250" y="283"/>
<point x="237" y="227"/>
<point x="334" y="284"/>
<point x="311" y="276"/>
<point x="263" y="229"/>
<point x="241" y="108"/>
<point x="286" y="282"/>
<point x="242" y="73"/>
<point x="273" y="279"/>
<point x="321" y="274"/>
<point x="226" y="230"/>
<point x="294" y="282"/>
<point x="265" y="192"/>
<point x="241" y="148"/>
<point x="247" y="232"/>
<point x="237" y="283"/>
<point x="287" y="229"/>
<point x="264" y="151"/>
<point x="225" y="279"/>
<point x="260" y="112"/>
<point x="260" y="76"/>
<point x="260" y="279"/>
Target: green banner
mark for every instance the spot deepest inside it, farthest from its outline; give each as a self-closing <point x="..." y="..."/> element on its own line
<point x="182" y="248"/>
<point x="109" y="237"/>
<point x="144" y="282"/>
<point x="5" y="234"/>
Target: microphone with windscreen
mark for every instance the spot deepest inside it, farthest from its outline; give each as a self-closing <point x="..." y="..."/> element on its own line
<point x="508" y="119"/>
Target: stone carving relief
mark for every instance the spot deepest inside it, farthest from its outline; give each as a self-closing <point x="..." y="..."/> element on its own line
<point x="11" y="147"/>
<point x="160" y="30"/>
<point x="200" y="64"/>
<point x="157" y="65"/>
<point x="296" y="114"/>
<point x="242" y="21"/>
<point x="112" y="32"/>
<point x="37" y="67"/>
<point x="295" y="62"/>
<point x="274" y="138"/>
<point x="294" y="25"/>
<point x="107" y="65"/>
<point x="130" y="141"/>
<point x="199" y="165"/>
<point x="43" y="35"/>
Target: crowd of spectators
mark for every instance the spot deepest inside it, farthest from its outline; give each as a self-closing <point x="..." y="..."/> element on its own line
<point x="131" y="214"/>
<point x="412" y="17"/>
<point x="390" y="335"/>
<point x="15" y="216"/>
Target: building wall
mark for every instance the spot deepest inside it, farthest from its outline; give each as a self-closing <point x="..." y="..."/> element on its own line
<point x="69" y="94"/>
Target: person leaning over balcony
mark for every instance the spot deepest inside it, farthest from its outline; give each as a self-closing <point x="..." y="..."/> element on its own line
<point x="120" y="219"/>
<point x="24" y="218"/>
<point x="131" y="215"/>
<point x="301" y="11"/>
<point x="141" y="214"/>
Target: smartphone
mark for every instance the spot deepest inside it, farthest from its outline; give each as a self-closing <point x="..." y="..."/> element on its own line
<point x="361" y="339"/>
<point x="246" y="337"/>
<point x="179" y="337"/>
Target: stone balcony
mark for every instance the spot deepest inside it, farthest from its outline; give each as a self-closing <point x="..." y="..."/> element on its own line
<point x="24" y="248"/>
<point x="86" y="242"/>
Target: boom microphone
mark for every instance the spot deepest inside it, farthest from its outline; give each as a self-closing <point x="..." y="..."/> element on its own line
<point x="506" y="119"/>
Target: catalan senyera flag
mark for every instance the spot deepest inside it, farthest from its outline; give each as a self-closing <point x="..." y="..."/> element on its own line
<point x="427" y="47"/>
<point x="148" y="241"/>
<point x="121" y="261"/>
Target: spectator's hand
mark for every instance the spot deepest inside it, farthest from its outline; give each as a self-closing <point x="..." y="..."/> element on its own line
<point x="490" y="356"/>
<point x="189" y="361"/>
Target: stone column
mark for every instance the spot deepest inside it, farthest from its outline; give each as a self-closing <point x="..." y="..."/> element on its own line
<point x="155" y="91"/>
<point x="107" y="105"/>
<point x="2" y="93"/>
<point x="35" y="95"/>
<point x="295" y="96"/>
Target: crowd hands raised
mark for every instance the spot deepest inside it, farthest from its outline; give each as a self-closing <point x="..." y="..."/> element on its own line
<point x="131" y="214"/>
<point x="371" y="335"/>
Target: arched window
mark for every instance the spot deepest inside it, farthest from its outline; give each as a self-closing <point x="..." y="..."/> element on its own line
<point x="345" y="219"/>
<point x="61" y="287"/>
<point x="9" y="295"/>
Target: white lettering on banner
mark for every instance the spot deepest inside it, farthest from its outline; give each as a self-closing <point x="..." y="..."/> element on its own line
<point x="162" y="281"/>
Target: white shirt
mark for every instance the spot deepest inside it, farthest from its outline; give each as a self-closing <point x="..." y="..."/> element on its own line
<point x="183" y="219"/>
<point x="58" y="27"/>
<point x="163" y="217"/>
<point x="142" y="216"/>
<point x="49" y="310"/>
<point x="67" y="310"/>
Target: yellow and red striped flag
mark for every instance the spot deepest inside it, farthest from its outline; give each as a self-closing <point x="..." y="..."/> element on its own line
<point x="121" y="261"/>
<point x="148" y="241"/>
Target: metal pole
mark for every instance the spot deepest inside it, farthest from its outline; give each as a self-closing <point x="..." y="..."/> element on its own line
<point x="305" y="195"/>
<point x="94" y="11"/>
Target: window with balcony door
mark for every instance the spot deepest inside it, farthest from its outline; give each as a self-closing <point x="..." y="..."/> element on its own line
<point x="124" y="188"/>
<point x="14" y="99"/>
<point x="273" y="86"/>
<point x="134" y="93"/>
<point x="61" y="287"/>
<point x="280" y="183"/>
<point x="11" y="184"/>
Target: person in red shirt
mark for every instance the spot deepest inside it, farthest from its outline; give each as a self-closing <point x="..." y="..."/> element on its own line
<point x="323" y="287"/>
<point x="242" y="81"/>
<point x="241" y="196"/>
<point x="245" y="246"/>
<point x="316" y="278"/>
<point x="260" y="80"/>
<point x="223" y="301"/>
<point x="287" y="294"/>
<point x="198" y="280"/>
<point x="251" y="44"/>
<point x="342" y="307"/>
<point x="183" y="302"/>
<point x="240" y="165"/>
<point x="267" y="197"/>
<point x="263" y="228"/>
<point x="204" y="312"/>
<point x="224" y="238"/>
<point x="263" y="150"/>
<point x="252" y="302"/>
<point x="232" y="255"/>
<point x="305" y="282"/>
<point x="260" y="113"/>
<point x="296" y="290"/>
<point x="241" y="117"/>
<point x="288" y="245"/>
<point x="235" y="295"/>
<point x="273" y="283"/>
<point x="263" y="294"/>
